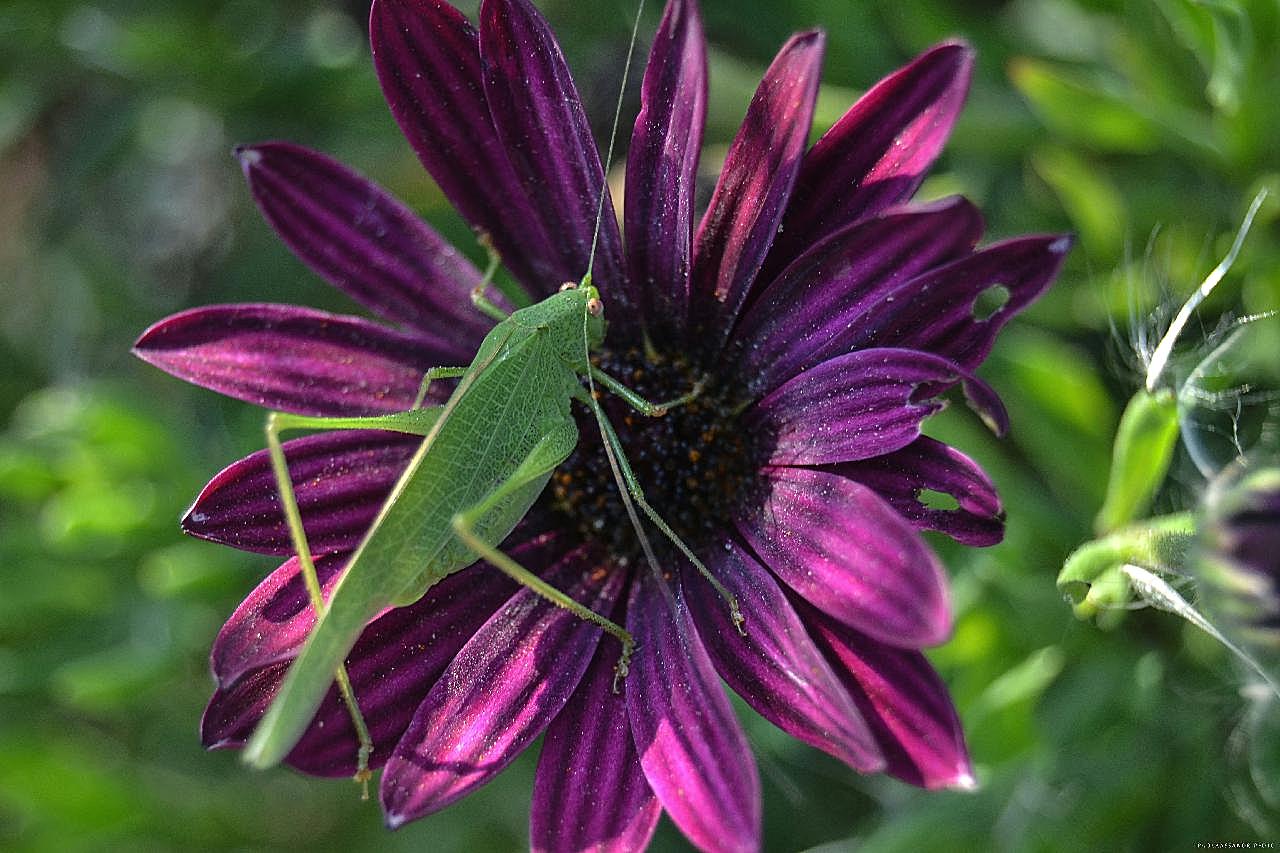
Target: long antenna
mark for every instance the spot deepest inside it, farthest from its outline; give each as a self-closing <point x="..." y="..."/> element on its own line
<point x="645" y="545"/>
<point x="613" y="136"/>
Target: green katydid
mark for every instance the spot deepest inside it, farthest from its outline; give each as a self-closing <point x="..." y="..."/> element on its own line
<point x="485" y="457"/>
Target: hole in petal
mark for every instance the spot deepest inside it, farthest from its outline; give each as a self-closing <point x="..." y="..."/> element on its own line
<point x="933" y="499"/>
<point x="989" y="302"/>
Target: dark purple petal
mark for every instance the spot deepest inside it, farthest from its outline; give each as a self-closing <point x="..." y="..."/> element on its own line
<point x="274" y="620"/>
<point x="538" y="116"/>
<point x="844" y="550"/>
<point x="590" y="792"/>
<point x="340" y="479"/>
<point x="392" y="667"/>
<point x="775" y="666"/>
<point x="271" y="624"/>
<point x="231" y="715"/>
<point x="927" y="465"/>
<point x="861" y="404"/>
<point x="662" y="167"/>
<point x="877" y="154"/>
<point x="759" y="171"/>
<point x="937" y="311"/>
<point x="691" y="747"/>
<point x="367" y="244"/>
<point x="504" y="687"/>
<point x="904" y="701"/>
<point x="826" y="295"/>
<point x="293" y="359"/>
<point x="427" y="56"/>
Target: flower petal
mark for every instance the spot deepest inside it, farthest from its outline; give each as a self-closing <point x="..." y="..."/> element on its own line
<point x="691" y="747"/>
<point x="759" y="171"/>
<point x="590" y="792"/>
<point x="828" y="292"/>
<point x="902" y="477"/>
<point x="877" y="154"/>
<point x="500" y="692"/>
<point x="538" y="116"/>
<point x="427" y="56"/>
<point x="271" y="624"/>
<point x="662" y="166"/>
<point x="905" y="702"/>
<point x="859" y="405"/>
<point x="392" y="667"/>
<point x="938" y="311"/>
<point x="843" y="549"/>
<point x="364" y="242"/>
<point x="292" y="359"/>
<point x="273" y="621"/>
<point x="774" y="666"/>
<point x="340" y="479"/>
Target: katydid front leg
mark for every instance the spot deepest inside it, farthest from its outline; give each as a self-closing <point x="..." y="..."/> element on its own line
<point x="478" y="298"/>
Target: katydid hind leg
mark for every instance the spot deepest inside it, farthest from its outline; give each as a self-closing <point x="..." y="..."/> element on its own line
<point x="549" y="452"/>
<point x="298" y="535"/>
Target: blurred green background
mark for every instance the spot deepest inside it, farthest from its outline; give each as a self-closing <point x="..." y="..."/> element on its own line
<point x="1145" y="127"/>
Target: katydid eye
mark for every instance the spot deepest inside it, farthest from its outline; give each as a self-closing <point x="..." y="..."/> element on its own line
<point x="595" y="307"/>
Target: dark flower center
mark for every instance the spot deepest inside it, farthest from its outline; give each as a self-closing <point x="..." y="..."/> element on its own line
<point x="695" y="464"/>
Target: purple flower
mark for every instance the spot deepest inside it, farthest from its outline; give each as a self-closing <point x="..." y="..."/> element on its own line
<point x="829" y="315"/>
<point x="1238" y="557"/>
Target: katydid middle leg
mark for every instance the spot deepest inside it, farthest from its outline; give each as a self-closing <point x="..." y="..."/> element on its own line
<point x="552" y="449"/>
<point x="634" y="489"/>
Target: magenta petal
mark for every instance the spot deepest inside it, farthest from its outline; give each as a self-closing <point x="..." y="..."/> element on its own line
<point x="367" y="244"/>
<point x="925" y="464"/>
<point x="292" y="359"/>
<point x="271" y="624"/>
<point x="937" y="312"/>
<point x="427" y="56"/>
<point x="904" y="701"/>
<point x="590" y="792"/>
<point x="662" y="167"/>
<point x="392" y="667"/>
<point x="759" y="170"/>
<point x="274" y="620"/>
<point x="691" y="746"/>
<point x="500" y="692"/>
<point x="877" y="154"/>
<point x="859" y="405"/>
<point x="538" y="115"/>
<point x="774" y="666"/>
<point x="802" y="317"/>
<point x="339" y="478"/>
<point x="844" y="550"/>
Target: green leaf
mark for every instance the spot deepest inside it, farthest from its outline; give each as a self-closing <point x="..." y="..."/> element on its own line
<point x="1084" y="111"/>
<point x="1140" y="459"/>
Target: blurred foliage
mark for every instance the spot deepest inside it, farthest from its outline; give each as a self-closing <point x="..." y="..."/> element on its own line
<point x="1143" y="126"/>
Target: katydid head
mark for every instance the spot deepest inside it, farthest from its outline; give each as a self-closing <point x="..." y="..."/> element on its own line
<point x="594" y="320"/>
